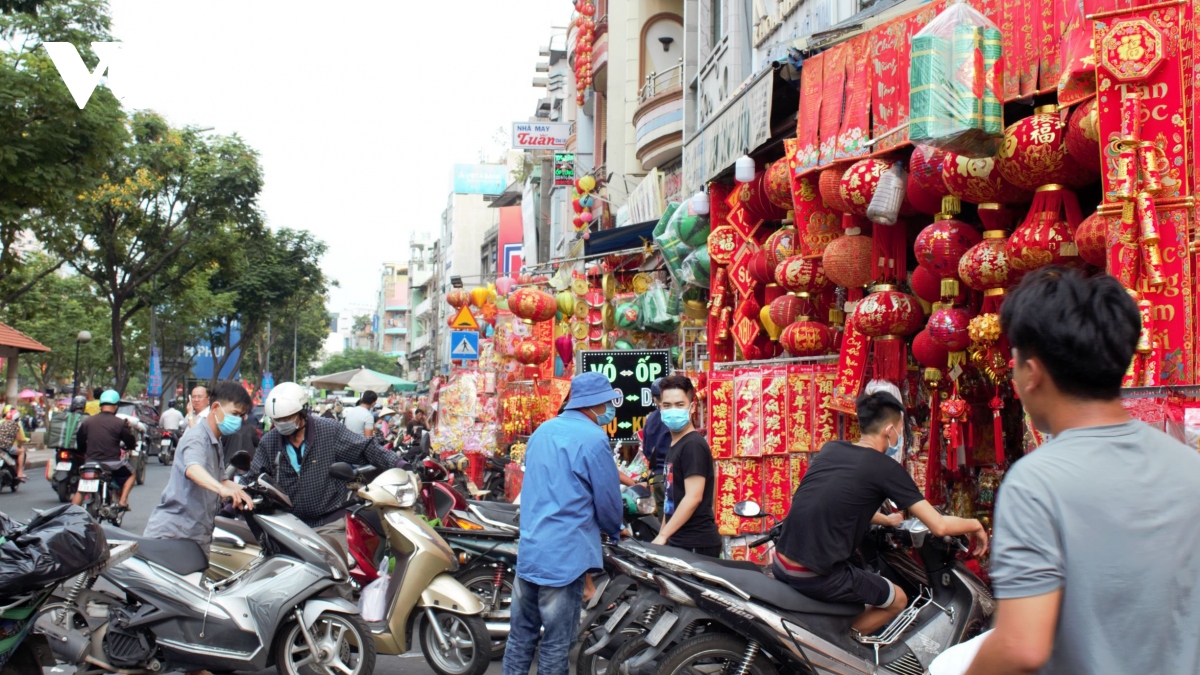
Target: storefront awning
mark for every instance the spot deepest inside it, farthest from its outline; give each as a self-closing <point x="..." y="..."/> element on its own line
<point x="620" y="238"/>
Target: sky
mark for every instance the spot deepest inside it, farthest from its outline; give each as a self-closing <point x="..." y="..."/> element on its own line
<point x="359" y="109"/>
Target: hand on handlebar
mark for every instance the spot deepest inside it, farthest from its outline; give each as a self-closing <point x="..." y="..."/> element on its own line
<point x="894" y="519"/>
<point x="234" y="492"/>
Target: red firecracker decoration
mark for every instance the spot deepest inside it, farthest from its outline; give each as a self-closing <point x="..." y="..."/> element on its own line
<point x="760" y="270"/>
<point x="806" y="338"/>
<point x="532" y="305"/>
<point x="1034" y="153"/>
<point x="977" y="181"/>
<point x="778" y="185"/>
<point x="785" y="309"/>
<point x="781" y="245"/>
<point x="888" y="316"/>
<point x="1083" y="138"/>
<point x="859" y="182"/>
<point x="1092" y="240"/>
<point x="458" y="298"/>
<point x="830" y="185"/>
<point x="942" y="244"/>
<point x="801" y="275"/>
<point x="925" y="186"/>
<point x="847" y="260"/>
<point x="1047" y="237"/>
<point x="926" y="285"/>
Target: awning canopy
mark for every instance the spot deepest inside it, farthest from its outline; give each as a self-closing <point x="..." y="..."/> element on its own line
<point x="363" y="379"/>
<point x="11" y="337"/>
<point x="620" y="238"/>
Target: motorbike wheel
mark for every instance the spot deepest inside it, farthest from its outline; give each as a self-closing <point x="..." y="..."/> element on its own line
<point x="92" y="506"/>
<point x="605" y="661"/>
<point x="162" y="457"/>
<point x="141" y="471"/>
<point x="482" y="582"/>
<point x="64" y="491"/>
<point x="469" y="651"/>
<point x="345" y="641"/>
<point x="718" y="652"/>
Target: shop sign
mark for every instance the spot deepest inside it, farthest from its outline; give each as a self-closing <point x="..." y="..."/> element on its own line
<point x="480" y="179"/>
<point x="540" y="135"/>
<point x="672" y="184"/>
<point x="564" y="168"/>
<point x="646" y="201"/>
<point x="154" y="382"/>
<point x="769" y="23"/>
<point x="631" y="373"/>
<point x="745" y="124"/>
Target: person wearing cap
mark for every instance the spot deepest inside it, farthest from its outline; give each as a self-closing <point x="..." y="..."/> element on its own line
<point x="656" y="442"/>
<point x="571" y="493"/>
<point x="101" y="437"/>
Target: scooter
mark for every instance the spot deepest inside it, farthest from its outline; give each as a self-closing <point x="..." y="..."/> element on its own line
<point x="101" y="493"/>
<point x="166" y="447"/>
<point x="493" y="478"/>
<point x="287" y="609"/>
<point x="64" y="477"/>
<point x="8" y="470"/>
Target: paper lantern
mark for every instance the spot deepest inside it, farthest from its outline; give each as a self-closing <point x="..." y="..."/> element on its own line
<point x="925" y="187"/>
<point x="798" y="274"/>
<point x="847" y="261"/>
<point x="986" y="268"/>
<point x="778" y="184"/>
<point x="1092" y="240"/>
<point x="785" y="309"/>
<point x="1047" y="237"/>
<point x="480" y="295"/>
<point x="754" y="199"/>
<point x="760" y="270"/>
<point x="886" y="313"/>
<point x="773" y="329"/>
<point x="781" y="245"/>
<point x="940" y="246"/>
<point x="458" y="298"/>
<point x="531" y="352"/>
<point x="948" y="328"/>
<point x="565" y="301"/>
<point x="830" y="186"/>
<point x="565" y="346"/>
<point x="1083" y="138"/>
<point x="504" y="285"/>
<point x="928" y="353"/>
<point x="926" y="285"/>
<point x="1034" y="153"/>
<point x="531" y="304"/>
<point x="976" y="180"/>
<point x="859" y="182"/>
<point x="806" y="338"/>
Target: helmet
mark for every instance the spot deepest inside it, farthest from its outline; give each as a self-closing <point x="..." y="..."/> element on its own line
<point x="110" y="397"/>
<point x="78" y="403"/>
<point x="285" y="400"/>
<point x="656" y="388"/>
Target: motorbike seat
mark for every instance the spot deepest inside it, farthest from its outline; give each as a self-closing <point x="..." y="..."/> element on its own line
<point x="776" y="593"/>
<point x="181" y="556"/>
<point x="237" y="527"/>
<point x="500" y="512"/>
<point x="693" y="558"/>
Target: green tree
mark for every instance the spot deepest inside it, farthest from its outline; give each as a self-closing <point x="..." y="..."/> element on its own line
<point x="173" y="202"/>
<point x="50" y="150"/>
<point x="354" y="358"/>
<point x="304" y="325"/>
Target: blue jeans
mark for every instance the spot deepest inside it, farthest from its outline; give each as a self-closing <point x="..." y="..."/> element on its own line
<point x="534" y="608"/>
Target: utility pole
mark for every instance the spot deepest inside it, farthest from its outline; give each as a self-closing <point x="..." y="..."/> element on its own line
<point x="295" y="332"/>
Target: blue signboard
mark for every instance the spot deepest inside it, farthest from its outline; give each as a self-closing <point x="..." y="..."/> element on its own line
<point x="205" y="356"/>
<point x="154" y="382"/>
<point x="480" y="179"/>
<point x="464" y="345"/>
<point x="268" y="384"/>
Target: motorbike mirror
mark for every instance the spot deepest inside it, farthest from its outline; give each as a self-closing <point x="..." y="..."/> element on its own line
<point x="240" y="460"/>
<point x="748" y="509"/>
<point x="342" y="471"/>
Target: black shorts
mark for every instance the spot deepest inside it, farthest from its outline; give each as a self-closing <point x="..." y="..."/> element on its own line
<point x="121" y="474"/>
<point x="845" y="583"/>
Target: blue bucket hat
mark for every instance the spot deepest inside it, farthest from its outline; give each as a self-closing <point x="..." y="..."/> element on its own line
<point x="590" y="389"/>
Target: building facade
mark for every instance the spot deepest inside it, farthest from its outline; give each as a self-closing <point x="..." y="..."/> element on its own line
<point x="392" y="308"/>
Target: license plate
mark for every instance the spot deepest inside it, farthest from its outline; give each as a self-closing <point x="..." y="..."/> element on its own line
<point x="62" y="466"/>
<point x="165" y="443"/>
<point x="89" y="485"/>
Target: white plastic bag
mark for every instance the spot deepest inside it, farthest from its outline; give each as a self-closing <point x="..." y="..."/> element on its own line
<point x="955" y="660"/>
<point x="372" y="604"/>
<point x="889" y="195"/>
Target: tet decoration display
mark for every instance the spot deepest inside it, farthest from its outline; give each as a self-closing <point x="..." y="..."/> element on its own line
<point x="584" y="41"/>
<point x="582" y="204"/>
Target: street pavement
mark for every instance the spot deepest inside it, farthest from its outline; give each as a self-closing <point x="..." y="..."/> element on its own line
<point x="37" y="494"/>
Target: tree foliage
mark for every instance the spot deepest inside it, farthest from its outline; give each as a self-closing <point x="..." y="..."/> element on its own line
<point x="354" y="358"/>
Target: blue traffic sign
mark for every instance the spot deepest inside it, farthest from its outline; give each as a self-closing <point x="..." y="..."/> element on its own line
<point x="464" y="345"/>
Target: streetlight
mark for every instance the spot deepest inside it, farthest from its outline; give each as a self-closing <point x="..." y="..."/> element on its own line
<point x="83" y="338"/>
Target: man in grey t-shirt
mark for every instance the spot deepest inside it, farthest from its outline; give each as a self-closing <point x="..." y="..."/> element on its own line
<point x="359" y="419"/>
<point x="1096" y="561"/>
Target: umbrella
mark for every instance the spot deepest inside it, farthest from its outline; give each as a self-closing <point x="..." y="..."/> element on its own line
<point x="29" y="393"/>
<point x="360" y="379"/>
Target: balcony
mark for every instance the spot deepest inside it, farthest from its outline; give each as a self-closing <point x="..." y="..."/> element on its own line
<point x="424" y="307"/>
<point x="395" y="308"/>
<point x="419" y="277"/>
<point x="398" y="330"/>
<point x="419" y="343"/>
<point x="658" y="120"/>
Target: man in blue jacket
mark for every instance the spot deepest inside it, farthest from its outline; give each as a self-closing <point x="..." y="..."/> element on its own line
<point x="571" y="493"/>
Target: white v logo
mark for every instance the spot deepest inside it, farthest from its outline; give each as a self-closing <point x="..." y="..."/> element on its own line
<point x="74" y="72"/>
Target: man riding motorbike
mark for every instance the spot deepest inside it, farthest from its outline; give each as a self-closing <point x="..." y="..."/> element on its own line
<point x="101" y="437"/>
<point x="298" y="452"/>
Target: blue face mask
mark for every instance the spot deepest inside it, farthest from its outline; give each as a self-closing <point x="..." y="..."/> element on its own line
<point x="610" y="414"/>
<point x="893" y="451"/>
<point x="230" y="424"/>
<point x="676" y="419"/>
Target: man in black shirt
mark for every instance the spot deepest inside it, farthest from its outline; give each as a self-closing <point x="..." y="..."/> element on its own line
<point x="415" y="427"/>
<point x="839" y="500"/>
<point x="690" y="522"/>
<point x="101" y="437"/>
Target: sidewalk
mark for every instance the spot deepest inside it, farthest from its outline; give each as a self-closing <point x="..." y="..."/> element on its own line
<point x="36" y="459"/>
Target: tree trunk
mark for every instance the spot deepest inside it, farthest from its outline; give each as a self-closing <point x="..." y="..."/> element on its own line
<point x="120" y="374"/>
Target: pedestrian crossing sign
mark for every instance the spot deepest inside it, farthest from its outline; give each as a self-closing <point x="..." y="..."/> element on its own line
<point x="465" y="320"/>
<point x="464" y="345"/>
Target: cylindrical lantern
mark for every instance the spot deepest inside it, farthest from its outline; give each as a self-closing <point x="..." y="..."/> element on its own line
<point x="801" y="275"/>
<point x="565" y="300"/>
<point x="1034" y="153"/>
<point x="940" y="246"/>
<point x="1092" y="240"/>
<point x="458" y="298"/>
<point x="858" y="184"/>
<point x="760" y="270"/>
<point x="504" y="285"/>
<point x="847" y="261"/>
<point x="1083" y="137"/>
<point x="976" y="180"/>
<point x="925" y="187"/>
<point x="785" y="309"/>
<point x="781" y="245"/>
<point x="887" y="316"/>
<point x="778" y="185"/>
<point x="948" y="328"/>
<point x="830" y="186"/>
<point x="806" y="338"/>
<point x="531" y="304"/>
<point x="928" y="353"/>
<point x="773" y="329"/>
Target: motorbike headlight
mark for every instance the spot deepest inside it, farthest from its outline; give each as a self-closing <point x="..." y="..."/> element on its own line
<point x="405" y="494"/>
<point x="645" y="505"/>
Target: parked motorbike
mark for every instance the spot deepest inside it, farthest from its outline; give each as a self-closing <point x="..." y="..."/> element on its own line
<point x="166" y="447"/>
<point x="286" y="609"/>
<point x="493" y="478"/>
<point x="8" y="470"/>
<point x="101" y="493"/>
<point x="65" y="476"/>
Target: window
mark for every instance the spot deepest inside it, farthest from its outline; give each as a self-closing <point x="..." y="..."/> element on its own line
<point x="714" y="13"/>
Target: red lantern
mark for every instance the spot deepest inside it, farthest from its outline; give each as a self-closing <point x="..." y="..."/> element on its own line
<point x="1092" y="240"/>
<point x="830" y="186"/>
<point x="859" y="182"/>
<point x="847" y="261"/>
<point x="458" y="298"/>
<point x="1047" y="237"/>
<point x="1034" y="152"/>
<point x="785" y="309"/>
<point x="940" y="246"/>
<point x="928" y="353"/>
<point x="531" y="304"/>
<point x="986" y="268"/>
<point x="926" y="285"/>
<point x="755" y="200"/>
<point x="948" y="328"/>
<point x="925" y="188"/>
<point x="801" y="275"/>
<point x="1083" y="138"/>
<point x="977" y="181"/>
<point x="822" y="228"/>
<point x="781" y="245"/>
<point x="806" y="338"/>
<point x="779" y="185"/>
<point x="760" y="270"/>
<point x="887" y="316"/>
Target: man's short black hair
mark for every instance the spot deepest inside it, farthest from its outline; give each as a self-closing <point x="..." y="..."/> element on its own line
<point x="368" y="398"/>
<point x="97" y="392"/>
<point x="420" y="412"/>
<point x="228" y="391"/>
<point x="680" y="382"/>
<point x="1083" y="330"/>
<point x="876" y="411"/>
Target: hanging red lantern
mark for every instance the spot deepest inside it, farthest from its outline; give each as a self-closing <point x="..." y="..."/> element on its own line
<point x="886" y="316"/>
<point x="531" y="352"/>
<point x="1092" y="240"/>
<point x="531" y="305"/>
<point x="778" y="184"/>
<point x="925" y="188"/>
<point x="781" y="245"/>
<point x="760" y="270"/>
<point x="926" y="285"/>
<point x="940" y="246"/>
<point x="847" y="260"/>
<point x="786" y="309"/>
<point x="858" y="184"/>
<point x="986" y="268"/>
<point x="1034" y="152"/>
<point x="754" y="199"/>
<point x="823" y="227"/>
<point x="830" y="186"/>
<point x="976" y="180"/>
<point x="928" y="353"/>
<point x="948" y="328"/>
<point x="798" y="274"/>
<point x="1083" y="138"/>
<point x="806" y="338"/>
<point x="458" y="298"/>
<point x="1047" y="237"/>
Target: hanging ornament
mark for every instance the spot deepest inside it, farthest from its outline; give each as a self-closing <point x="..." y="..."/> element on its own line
<point x="778" y="185"/>
<point x="886" y="316"/>
<point x="830" y="186"/>
<point x="565" y="301"/>
<point x="1047" y="236"/>
<point x="532" y="305"/>
<point x="805" y="337"/>
<point x="976" y="180"/>
<point x="1034" y="153"/>
<point x="773" y="329"/>
<point x="925" y="187"/>
<point x="504" y="285"/>
<point x="781" y="245"/>
<point x="987" y="268"/>
<point x="930" y="353"/>
<point x="458" y="298"/>
<point x="942" y="244"/>
<point x="1083" y="138"/>
<point x="847" y="260"/>
<point x="1092" y="240"/>
<point x="948" y="328"/>
<point x="858" y="184"/>
<point x="785" y="309"/>
<point x="926" y="285"/>
<point x="480" y="296"/>
<point x="760" y="270"/>
<point x="801" y="275"/>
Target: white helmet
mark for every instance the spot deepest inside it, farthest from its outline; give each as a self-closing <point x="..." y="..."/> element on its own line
<point x="285" y="400"/>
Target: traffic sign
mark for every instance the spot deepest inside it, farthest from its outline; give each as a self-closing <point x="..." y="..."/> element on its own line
<point x="464" y="345"/>
<point x="465" y="320"/>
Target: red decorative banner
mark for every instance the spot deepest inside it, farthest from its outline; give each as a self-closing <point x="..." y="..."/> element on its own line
<point x="777" y="486"/>
<point x="799" y="468"/>
<point x="746" y="328"/>
<point x="774" y="411"/>
<point x="748" y="413"/>
<point x="851" y="368"/>
<point x="808" y="121"/>
<point x="720" y="343"/>
<point x="832" y="87"/>
<point x="824" y="414"/>
<point x="1012" y="21"/>
<point x="720" y="414"/>
<point x="1030" y="43"/>
<point x="889" y="55"/>
<point x="737" y="480"/>
<point x="1054" y="20"/>
<point x="856" y="123"/>
<point x="800" y="391"/>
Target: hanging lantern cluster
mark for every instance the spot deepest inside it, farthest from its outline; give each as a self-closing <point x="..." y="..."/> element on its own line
<point x="532" y="305"/>
<point x="583" y="203"/>
<point x="584" y="40"/>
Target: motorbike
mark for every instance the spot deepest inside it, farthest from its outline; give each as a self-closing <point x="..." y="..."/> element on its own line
<point x="493" y="478"/>
<point x="8" y="470"/>
<point x="101" y="493"/>
<point x="166" y="447"/>
<point x="288" y="608"/>
<point x="65" y="475"/>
